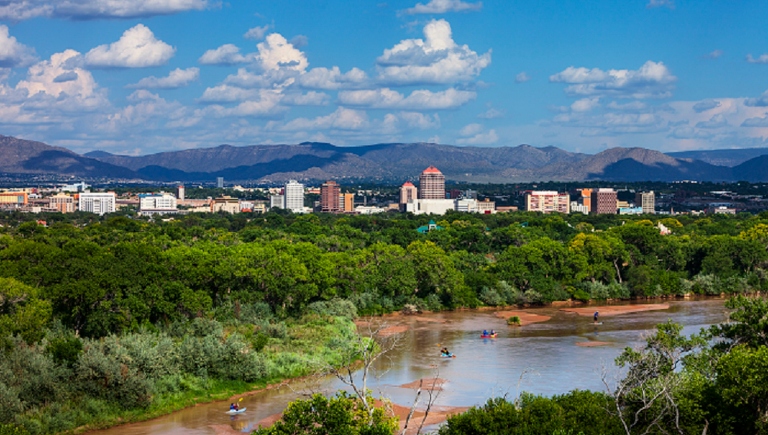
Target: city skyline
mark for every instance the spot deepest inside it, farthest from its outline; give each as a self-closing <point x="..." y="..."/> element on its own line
<point x="138" y="77"/>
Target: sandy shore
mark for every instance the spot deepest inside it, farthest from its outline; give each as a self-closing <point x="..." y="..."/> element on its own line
<point x="525" y="317"/>
<point x="592" y="343"/>
<point x="615" y="310"/>
<point x="435" y="384"/>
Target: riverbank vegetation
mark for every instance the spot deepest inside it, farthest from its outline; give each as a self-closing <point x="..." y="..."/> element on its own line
<point x="119" y="318"/>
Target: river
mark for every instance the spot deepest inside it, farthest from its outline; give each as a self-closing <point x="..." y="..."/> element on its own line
<point x="541" y="358"/>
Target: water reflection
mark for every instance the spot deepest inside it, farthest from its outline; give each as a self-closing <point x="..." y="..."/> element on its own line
<point x="541" y="358"/>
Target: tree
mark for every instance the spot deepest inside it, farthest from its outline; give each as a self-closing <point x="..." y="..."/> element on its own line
<point x="22" y="312"/>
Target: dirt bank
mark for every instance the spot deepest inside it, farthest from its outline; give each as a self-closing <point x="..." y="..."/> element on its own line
<point x="525" y="317"/>
<point x="592" y="343"/>
<point x="435" y="384"/>
<point x="615" y="310"/>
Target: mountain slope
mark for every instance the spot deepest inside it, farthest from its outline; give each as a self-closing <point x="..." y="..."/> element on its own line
<point x="19" y="156"/>
<point x="753" y="170"/>
<point x="728" y="158"/>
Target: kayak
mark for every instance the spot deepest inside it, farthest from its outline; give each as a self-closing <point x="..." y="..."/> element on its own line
<point x="450" y="355"/>
<point x="236" y="411"/>
<point x="489" y="335"/>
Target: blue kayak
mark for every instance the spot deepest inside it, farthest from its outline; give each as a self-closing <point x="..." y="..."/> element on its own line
<point x="236" y="411"/>
<point x="450" y="355"/>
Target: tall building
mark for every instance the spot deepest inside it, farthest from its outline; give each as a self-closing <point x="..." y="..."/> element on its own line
<point x="547" y="201"/>
<point x="97" y="202"/>
<point x="431" y="184"/>
<point x="62" y="202"/>
<point x="604" y="201"/>
<point x="347" y="202"/>
<point x="408" y="193"/>
<point x="586" y="198"/>
<point x="646" y="201"/>
<point x="294" y="196"/>
<point x="220" y="182"/>
<point x="329" y="197"/>
<point x="180" y="192"/>
<point x="277" y="201"/>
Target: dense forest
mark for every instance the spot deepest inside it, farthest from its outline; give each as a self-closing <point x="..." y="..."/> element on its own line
<point x="106" y="320"/>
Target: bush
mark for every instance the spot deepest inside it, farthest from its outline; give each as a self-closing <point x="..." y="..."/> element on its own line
<point x="514" y="320"/>
<point x="599" y="291"/>
<point x="222" y="358"/>
<point x="508" y="293"/>
<point x="491" y="297"/>
<point x="334" y="308"/>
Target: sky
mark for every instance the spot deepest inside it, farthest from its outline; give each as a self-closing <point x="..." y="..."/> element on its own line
<point x="143" y="76"/>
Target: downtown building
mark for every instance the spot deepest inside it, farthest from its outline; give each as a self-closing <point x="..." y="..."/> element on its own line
<point x="604" y="201"/>
<point x="547" y="201"/>
<point x="431" y="184"/>
<point x="97" y="202"/>
<point x="293" y="196"/>
<point x="646" y="201"/>
<point x="330" y="193"/>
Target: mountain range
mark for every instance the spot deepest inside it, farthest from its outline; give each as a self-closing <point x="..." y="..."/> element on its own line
<point x="392" y="162"/>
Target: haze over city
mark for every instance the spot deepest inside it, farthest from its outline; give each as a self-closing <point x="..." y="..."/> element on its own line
<point x="138" y="77"/>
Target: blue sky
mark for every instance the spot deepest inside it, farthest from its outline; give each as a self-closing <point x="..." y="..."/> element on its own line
<point x="144" y="76"/>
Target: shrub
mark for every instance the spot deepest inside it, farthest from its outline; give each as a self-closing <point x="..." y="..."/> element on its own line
<point x="491" y="297"/>
<point x="514" y="320"/>
<point x="335" y="308"/>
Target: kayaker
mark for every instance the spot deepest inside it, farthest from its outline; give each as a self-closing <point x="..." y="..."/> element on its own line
<point x="493" y="332"/>
<point x="232" y="407"/>
<point x="485" y="332"/>
<point x="444" y="351"/>
<point x="595" y="317"/>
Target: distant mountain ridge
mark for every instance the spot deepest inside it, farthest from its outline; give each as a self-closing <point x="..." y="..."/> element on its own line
<point x="388" y="162"/>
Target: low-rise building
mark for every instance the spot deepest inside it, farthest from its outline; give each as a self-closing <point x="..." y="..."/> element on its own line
<point x="225" y="204"/>
<point x="547" y="201"/>
<point x="97" y="202"/>
<point x="62" y="203"/>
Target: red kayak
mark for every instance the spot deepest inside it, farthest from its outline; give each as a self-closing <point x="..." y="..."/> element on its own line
<point x="489" y="335"/>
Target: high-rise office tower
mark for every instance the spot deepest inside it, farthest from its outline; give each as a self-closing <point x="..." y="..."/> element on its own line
<point x="431" y="184"/>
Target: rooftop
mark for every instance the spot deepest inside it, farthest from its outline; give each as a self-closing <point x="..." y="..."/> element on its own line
<point x="431" y="170"/>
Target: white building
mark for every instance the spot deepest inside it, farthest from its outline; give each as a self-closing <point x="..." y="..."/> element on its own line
<point x="157" y="201"/>
<point x="294" y="196"/>
<point x="430" y="206"/>
<point x="579" y="208"/>
<point x="277" y="201"/>
<point x="547" y="201"/>
<point x="363" y="209"/>
<point x="97" y="202"/>
<point x="466" y="205"/>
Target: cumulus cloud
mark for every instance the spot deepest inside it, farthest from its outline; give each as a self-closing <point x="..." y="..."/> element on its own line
<point x="12" y="52"/>
<point x="342" y="119"/>
<point x="257" y="32"/>
<point x="277" y="53"/>
<point x="311" y="98"/>
<point x="330" y="79"/>
<point x="660" y="3"/>
<point x="226" y="94"/>
<point x="419" y="120"/>
<point x="436" y="59"/>
<point x="763" y="58"/>
<point x="522" y="77"/>
<point x="714" y="54"/>
<point x="652" y="80"/>
<point x="755" y="122"/>
<point x="443" y="6"/>
<point x="474" y="134"/>
<point x="703" y="106"/>
<point x="717" y="121"/>
<point x="227" y="54"/>
<point x="761" y="101"/>
<point x="491" y="113"/>
<point x="53" y="83"/>
<point x="175" y="79"/>
<point x="137" y="48"/>
<point x="585" y="104"/>
<point x="17" y="10"/>
<point x="422" y="99"/>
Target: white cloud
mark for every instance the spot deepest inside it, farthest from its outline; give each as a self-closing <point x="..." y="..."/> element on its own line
<point x="761" y="101"/>
<point x="342" y="119"/>
<point x="477" y="136"/>
<point x="13" y="53"/>
<point x="277" y="53"/>
<point x="311" y="98"/>
<point x="714" y="54"/>
<point x="257" y="32"/>
<point x="419" y="120"/>
<point x="755" y="122"/>
<point x="137" y="48"/>
<point x="703" y="106"/>
<point x="522" y="77"/>
<point x="763" y="58"/>
<point x="17" y="10"/>
<point x="471" y="129"/>
<point x="585" y="104"/>
<point x="324" y="78"/>
<point x="79" y="89"/>
<point x="227" y="54"/>
<point x="443" y="6"/>
<point x="717" y="121"/>
<point x="436" y="59"/>
<point x="491" y="113"/>
<point x="652" y="80"/>
<point x="227" y="94"/>
<point x="176" y="79"/>
<point x="422" y="99"/>
<point x="660" y="3"/>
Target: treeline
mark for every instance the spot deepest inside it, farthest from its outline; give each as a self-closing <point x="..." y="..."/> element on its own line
<point x="88" y="298"/>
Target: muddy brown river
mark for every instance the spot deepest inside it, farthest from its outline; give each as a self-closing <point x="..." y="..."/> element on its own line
<point x="564" y="353"/>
